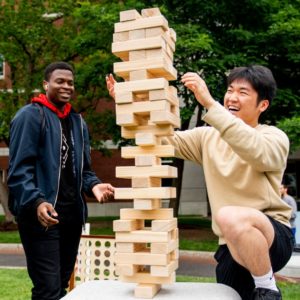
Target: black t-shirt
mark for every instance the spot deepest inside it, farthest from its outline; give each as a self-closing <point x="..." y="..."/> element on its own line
<point x="67" y="184"/>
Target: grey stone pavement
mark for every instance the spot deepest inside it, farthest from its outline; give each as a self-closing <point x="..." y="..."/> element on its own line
<point x="191" y="263"/>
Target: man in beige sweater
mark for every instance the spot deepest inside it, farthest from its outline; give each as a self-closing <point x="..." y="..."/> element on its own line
<point x="243" y="164"/>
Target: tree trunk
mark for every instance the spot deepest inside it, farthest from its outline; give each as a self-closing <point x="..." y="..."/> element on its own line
<point x="4" y="201"/>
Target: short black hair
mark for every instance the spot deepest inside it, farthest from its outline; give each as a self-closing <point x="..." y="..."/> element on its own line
<point x="59" y="65"/>
<point x="260" y="77"/>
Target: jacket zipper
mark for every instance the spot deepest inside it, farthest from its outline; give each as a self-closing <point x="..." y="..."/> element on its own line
<point x="59" y="170"/>
<point x="82" y="152"/>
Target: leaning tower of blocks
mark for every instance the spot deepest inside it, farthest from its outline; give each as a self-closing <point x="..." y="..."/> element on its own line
<point x="147" y="109"/>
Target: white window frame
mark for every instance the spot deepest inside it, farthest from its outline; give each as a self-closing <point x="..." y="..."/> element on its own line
<point x="3" y="67"/>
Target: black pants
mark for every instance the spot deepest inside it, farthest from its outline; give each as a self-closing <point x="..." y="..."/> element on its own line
<point x="231" y="273"/>
<point x="51" y="254"/>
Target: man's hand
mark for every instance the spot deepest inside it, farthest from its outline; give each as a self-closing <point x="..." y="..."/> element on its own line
<point x="197" y="85"/>
<point x="103" y="192"/>
<point x="110" y="84"/>
<point x="46" y="214"/>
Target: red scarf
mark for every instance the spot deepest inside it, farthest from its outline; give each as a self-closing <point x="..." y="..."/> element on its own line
<point x="41" y="98"/>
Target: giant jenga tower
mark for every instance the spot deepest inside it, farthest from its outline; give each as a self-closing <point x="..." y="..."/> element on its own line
<point x="147" y="108"/>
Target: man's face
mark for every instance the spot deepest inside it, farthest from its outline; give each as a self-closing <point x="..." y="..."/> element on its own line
<point x="60" y="87"/>
<point x="241" y="100"/>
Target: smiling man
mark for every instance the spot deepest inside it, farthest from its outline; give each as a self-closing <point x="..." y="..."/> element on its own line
<point x="49" y="170"/>
<point x="243" y="163"/>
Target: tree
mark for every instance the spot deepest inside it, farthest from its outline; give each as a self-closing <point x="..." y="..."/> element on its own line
<point x="213" y="36"/>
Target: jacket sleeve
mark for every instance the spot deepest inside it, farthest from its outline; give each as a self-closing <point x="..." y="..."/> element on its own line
<point x="265" y="149"/>
<point x="89" y="177"/>
<point x="23" y="151"/>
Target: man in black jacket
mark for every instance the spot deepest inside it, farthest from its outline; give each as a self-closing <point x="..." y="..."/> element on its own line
<point x="49" y="171"/>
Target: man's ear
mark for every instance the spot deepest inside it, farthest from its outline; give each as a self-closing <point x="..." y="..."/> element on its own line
<point x="45" y="85"/>
<point x="263" y="105"/>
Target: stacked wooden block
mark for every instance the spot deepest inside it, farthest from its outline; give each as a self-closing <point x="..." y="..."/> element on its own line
<point x="147" y="108"/>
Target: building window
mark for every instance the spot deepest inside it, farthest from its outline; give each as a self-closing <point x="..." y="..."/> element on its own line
<point x="1" y="66"/>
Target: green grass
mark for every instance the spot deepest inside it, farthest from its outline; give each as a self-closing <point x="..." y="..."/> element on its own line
<point x="15" y="284"/>
<point x="103" y="226"/>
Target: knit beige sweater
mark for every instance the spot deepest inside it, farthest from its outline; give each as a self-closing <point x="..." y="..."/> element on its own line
<point x="242" y="165"/>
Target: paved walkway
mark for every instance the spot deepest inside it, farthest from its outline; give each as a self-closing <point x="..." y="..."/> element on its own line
<point x="191" y="263"/>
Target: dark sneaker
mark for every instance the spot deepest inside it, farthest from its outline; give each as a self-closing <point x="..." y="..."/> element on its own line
<point x="266" y="294"/>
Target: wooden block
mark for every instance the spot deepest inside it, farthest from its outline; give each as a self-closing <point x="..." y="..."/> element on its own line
<point x="130" y="247"/>
<point x="160" y="248"/>
<point x="126" y="269"/>
<point x="143" y="277"/>
<point x="137" y="55"/>
<point x="139" y="75"/>
<point x="164" y="225"/>
<point x="124" y="97"/>
<point x="146" y="204"/>
<point x="163" y="171"/>
<point x="155" y="31"/>
<point x="175" y="234"/>
<point x="166" y="36"/>
<point x="141" y="85"/>
<point x="142" y="258"/>
<point x="146" y="161"/>
<point x="121" y="36"/>
<point x="137" y="34"/>
<point x="121" y="49"/>
<point x="129" y="15"/>
<point x="127" y="225"/>
<point x="142" y="107"/>
<point x="150" y="12"/>
<point x="127" y="119"/>
<point x="160" y="66"/>
<point x="146" y="290"/>
<point x="158" y="130"/>
<point x="164" y="117"/>
<point x="145" y="139"/>
<point x="164" y="271"/>
<point x="159" y="52"/>
<point x="172" y="33"/>
<point x="145" y="182"/>
<point x="159" y="150"/>
<point x="155" y="214"/>
<point x="167" y="94"/>
<point x="143" y="236"/>
<point x="145" y="193"/>
<point x="175" y="254"/>
<point x="149" y="22"/>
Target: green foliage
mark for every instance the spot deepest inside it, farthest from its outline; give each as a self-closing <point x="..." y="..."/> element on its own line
<point x="211" y="36"/>
<point x="291" y="128"/>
